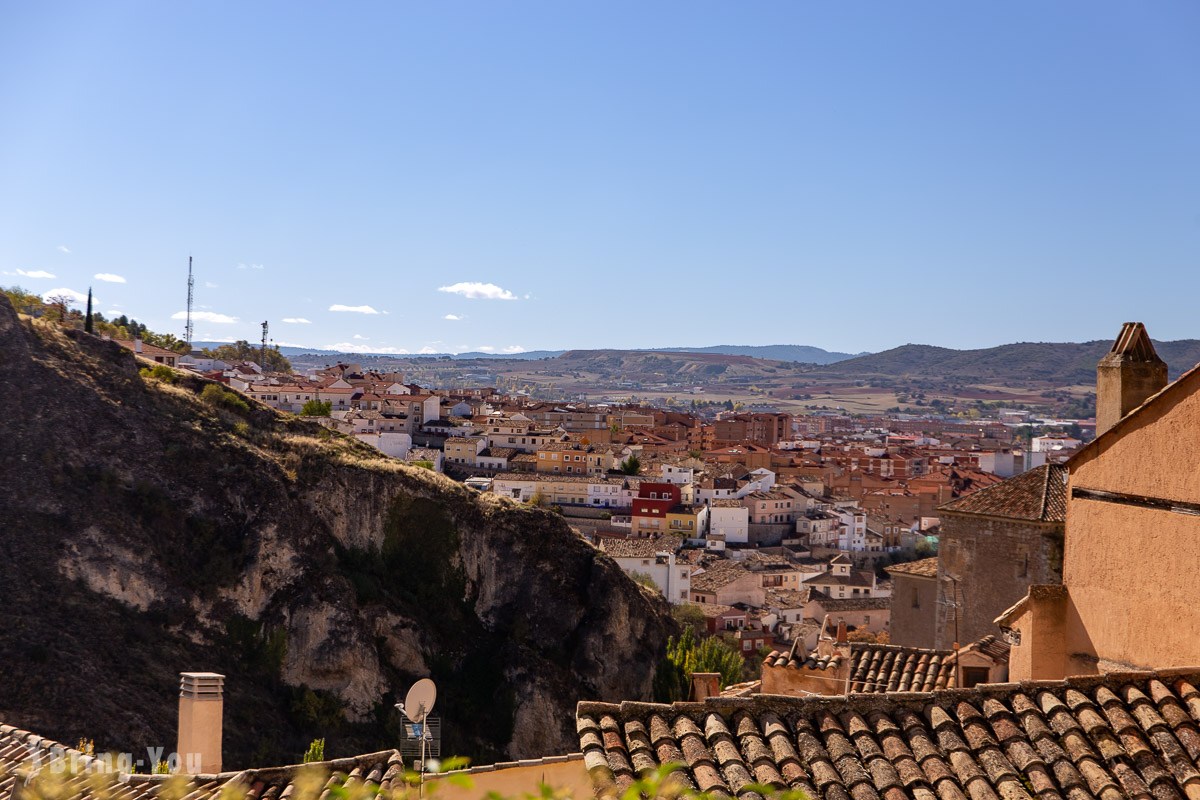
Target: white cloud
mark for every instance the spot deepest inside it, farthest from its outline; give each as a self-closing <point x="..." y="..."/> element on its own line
<point x="514" y="348"/>
<point x="355" y="309"/>
<point x="206" y="316"/>
<point x="35" y="273"/>
<point x="486" y="348"/>
<point x="114" y="312"/>
<point x="249" y="266"/>
<point x="424" y="351"/>
<point x="479" y="291"/>
<point x="211" y="285"/>
<point x="297" y="321"/>
<point x="78" y="297"/>
<point x="452" y="316"/>
<point x="63" y="248"/>
<point x="352" y="347"/>
<point x="528" y="296"/>
<point x="359" y="336"/>
<point x="108" y="277"/>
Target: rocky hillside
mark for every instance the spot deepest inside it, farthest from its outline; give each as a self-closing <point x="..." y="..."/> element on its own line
<point x="145" y="531"/>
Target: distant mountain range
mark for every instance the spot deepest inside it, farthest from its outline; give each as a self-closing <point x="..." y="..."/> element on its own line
<point x="778" y="352"/>
<point x="1065" y="362"/>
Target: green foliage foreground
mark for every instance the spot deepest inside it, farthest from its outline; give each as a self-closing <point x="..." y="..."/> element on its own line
<point x="313" y="781"/>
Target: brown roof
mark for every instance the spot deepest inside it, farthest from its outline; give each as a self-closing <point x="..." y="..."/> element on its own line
<point x="640" y="548"/>
<point x="1110" y="737"/>
<point x="717" y="574"/>
<point x="384" y="770"/>
<point x="891" y="668"/>
<point x="925" y="568"/>
<point x="1039" y="495"/>
<point x="812" y="660"/>
<point x="148" y="350"/>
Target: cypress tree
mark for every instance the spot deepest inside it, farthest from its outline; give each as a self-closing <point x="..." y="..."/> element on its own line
<point x="87" y="322"/>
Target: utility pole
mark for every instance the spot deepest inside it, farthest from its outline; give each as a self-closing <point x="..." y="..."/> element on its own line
<point x="262" y="358"/>
<point x="187" y="331"/>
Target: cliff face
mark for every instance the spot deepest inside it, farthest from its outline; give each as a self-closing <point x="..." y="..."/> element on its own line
<point x="144" y="533"/>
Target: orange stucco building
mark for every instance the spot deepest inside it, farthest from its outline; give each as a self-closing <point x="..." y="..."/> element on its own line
<point x="1132" y="541"/>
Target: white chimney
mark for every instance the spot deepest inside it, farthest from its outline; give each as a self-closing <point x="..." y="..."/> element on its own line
<point x="137" y="345"/>
<point x="201" y="716"/>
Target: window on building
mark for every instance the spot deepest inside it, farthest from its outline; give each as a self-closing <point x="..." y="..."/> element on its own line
<point x="973" y="676"/>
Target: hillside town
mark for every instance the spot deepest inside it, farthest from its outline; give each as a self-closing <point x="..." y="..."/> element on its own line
<point x="778" y="533"/>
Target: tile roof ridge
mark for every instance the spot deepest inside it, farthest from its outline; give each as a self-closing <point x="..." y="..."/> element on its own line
<point x="1045" y="493"/>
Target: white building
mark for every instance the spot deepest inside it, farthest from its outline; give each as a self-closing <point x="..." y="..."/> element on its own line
<point x="654" y="558"/>
<point x="730" y="520"/>
<point x="390" y="443"/>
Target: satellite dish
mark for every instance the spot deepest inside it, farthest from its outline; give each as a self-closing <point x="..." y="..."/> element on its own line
<point x="419" y="700"/>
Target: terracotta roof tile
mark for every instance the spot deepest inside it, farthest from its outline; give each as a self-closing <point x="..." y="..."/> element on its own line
<point x="1039" y="495"/>
<point x="1102" y="737"/>
<point x="925" y="568"/>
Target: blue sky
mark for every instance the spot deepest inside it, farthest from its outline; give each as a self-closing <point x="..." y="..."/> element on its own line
<point x="853" y="176"/>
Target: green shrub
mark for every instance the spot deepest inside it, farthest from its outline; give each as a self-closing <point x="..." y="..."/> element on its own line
<point x="316" y="752"/>
<point x="218" y="397"/>
<point x="161" y="372"/>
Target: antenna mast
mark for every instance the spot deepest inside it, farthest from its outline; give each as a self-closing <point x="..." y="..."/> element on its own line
<point x="187" y="331"/>
<point x="262" y="359"/>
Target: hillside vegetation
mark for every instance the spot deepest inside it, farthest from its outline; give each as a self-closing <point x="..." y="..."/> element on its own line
<point x="1060" y="362"/>
<point x="157" y="523"/>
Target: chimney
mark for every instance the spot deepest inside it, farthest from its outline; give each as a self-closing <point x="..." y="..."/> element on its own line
<point x="137" y="345"/>
<point x="841" y="632"/>
<point x="705" y="685"/>
<point x="1127" y="376"/>
<point x="201" y="712"/>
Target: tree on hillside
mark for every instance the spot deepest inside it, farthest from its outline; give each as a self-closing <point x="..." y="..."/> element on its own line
<point x="61" y="306"/>
<point x="87" y="322"/>
<point x="686" y="656"/>
<point x="631" y="465"/>
<point x="242" y="350"/>
<point x="317" y="408"/>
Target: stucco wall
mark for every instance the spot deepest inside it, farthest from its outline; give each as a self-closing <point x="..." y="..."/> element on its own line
<point x="1130" y="572"/>
<point x="914" y="627"/>
<point x="518" y="781"/>
<point x="797" y="682"/>
<point x="995" y="561"/>
<point x="1151" y="454"/>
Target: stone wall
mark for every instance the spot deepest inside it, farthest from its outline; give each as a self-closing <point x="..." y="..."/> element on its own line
<point x="995" y="561"/>
<point x="914" y="610"/>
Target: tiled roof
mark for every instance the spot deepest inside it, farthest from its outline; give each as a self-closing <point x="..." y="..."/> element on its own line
<point x="383" y="770"/>
<point x="1104" y="737"/>
<point x="1038" y="494"/>
<point x="812" y="660"/>
<point x="891" y="668"/>
<point x="640" y="548"/>
<point x="925" y="568"/>
<point x="857" y="577"/>
<point x="717" y="574"/>
<point x="835" y="604"/>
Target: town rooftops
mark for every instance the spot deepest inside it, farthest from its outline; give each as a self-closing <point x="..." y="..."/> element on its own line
<point x="1110" y="737"/>
<point x="925" y="568"/>
<point x="1037" y="495"/>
